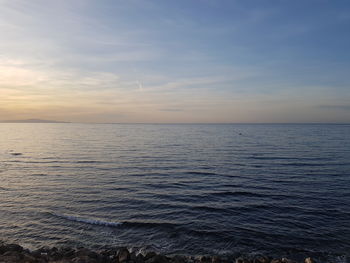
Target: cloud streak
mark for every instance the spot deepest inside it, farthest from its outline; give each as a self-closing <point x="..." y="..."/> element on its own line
<point x="335" y="107"/>
<point x="149" y="61"/>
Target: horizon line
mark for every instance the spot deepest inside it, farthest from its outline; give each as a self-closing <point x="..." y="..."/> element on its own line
<point x="42" y="121"/>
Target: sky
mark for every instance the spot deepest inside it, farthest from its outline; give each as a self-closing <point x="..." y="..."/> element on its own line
<point x="165" y="61"/>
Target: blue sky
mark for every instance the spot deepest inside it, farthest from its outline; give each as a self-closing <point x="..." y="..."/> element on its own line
<point x="175" y="61"/>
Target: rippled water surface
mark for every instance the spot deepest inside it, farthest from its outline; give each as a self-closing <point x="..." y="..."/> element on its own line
<point x="190" y="189"/>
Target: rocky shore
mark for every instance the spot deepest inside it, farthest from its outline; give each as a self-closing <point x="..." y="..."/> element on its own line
<point x="14" y="253"/>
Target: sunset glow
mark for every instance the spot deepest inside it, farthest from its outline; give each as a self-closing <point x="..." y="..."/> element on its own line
<point x="182" y="61"/>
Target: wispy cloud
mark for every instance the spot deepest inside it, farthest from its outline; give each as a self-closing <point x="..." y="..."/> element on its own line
<point x="150" y="60"/>
<point x="172" y="110"/>
<point x="335" y="107"/>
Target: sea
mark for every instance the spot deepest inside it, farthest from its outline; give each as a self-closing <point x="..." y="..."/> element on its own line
<point x="193" y="189"/>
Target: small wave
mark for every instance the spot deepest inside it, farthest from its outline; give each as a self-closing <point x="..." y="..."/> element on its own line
<point x="88" y="162"/>
<point x="39" y="174"/>
<point x="271" y="158"/>
<point x="201" y="173"/>
<point x="210" y="209"/>
<point x="145" y="174"/>
<point x="113" y="224"/>
<point x="88" y="220"/>
<point x="318" y="164"/>
<point x="16" y="154"/>
<point x="237" y="193"/>
<point x="152" y="224"/>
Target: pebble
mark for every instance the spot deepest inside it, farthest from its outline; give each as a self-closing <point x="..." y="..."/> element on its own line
<point x="309" y="260"/>
<point x="123" y="255"/>
<point x="13" y="253"/>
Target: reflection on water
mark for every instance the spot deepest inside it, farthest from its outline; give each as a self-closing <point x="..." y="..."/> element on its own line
<point x="195" y="189"/>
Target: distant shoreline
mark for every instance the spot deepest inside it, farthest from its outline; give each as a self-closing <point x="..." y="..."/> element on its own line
<point x="32" y="121"/>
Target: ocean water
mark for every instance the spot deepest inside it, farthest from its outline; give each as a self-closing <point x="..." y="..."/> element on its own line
<point x="281" y="190"/>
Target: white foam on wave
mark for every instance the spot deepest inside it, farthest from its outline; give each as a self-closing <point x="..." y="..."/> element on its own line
<point x="88" y="220"/>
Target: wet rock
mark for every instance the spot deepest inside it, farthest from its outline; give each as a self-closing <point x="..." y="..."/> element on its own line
<point x="203" y="259"/>
<point x="123" y="255"/>
<point x="82" y="252"/>
<point x="133" y="256"/>
<point x="136" y="258"/>
<point x="36" y="253"/>
<point x="287" y="260"/>
<point x="54" y="256"/>
<point x="93" y="255"/>
<point x="28" y="258"/>
<point x="79" y="260"/>
<point x="66" y="252"/>
<point x="226" y="260"/>
<point x="44" y="256"/>
<point x="86" y="255"/>
<point x="150" y="255"/>
<point x="262" y="259"/>
<point x="158" y="259"/>
<point x="139" y="258"/>
<point x="242" y="260"/>
<point x="215" y="259"/>
<point x="44" y="249"/>
<point x="190" y="259"/>
<point x="84" y="259"/>
<point x="309" y="260"/>
<point x="12" y="253"/>
<point x="10" y="247"/>
<point x="11" y="256"/>
<point x="2" y="249"/>
<point x="110" y="253"/>
<point x="178" y="259"/>
<point x="104" y="256"/>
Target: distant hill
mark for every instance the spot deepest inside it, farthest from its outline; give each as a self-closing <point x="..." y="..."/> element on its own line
<point x="32" y="121"/>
